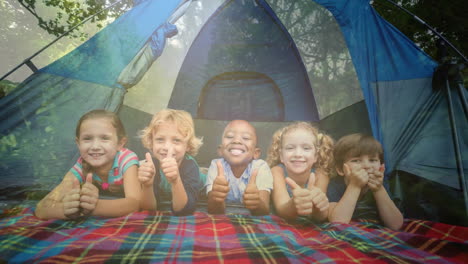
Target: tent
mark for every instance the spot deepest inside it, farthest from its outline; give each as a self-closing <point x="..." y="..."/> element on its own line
<point x="335" y="63"/>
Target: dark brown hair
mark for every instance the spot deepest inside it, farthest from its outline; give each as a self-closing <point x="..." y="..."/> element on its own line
<point x="356" y="145"/>
<point x="100" y="113"/>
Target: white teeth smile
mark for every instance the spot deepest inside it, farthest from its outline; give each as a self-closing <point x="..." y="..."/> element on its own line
<point x="297" y="161"/>
<point x="95" y="155"/>
<point x="236" y="152"/>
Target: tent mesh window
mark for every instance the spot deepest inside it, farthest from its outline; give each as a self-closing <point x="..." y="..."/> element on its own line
<point x="252" y="96"/>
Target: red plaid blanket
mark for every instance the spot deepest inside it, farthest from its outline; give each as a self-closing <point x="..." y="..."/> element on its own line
<point x="152" y="237"/>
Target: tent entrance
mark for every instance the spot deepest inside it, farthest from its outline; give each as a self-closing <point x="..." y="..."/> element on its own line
<point x="241" y="95"/>
<point x="244" y="45"/>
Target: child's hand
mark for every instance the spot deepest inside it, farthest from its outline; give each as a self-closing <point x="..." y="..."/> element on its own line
<point x="251" y="195"/>
<point x="357" y="176"/>
<point x="302" y="198"/>
<point x="89" y="195"/>
<point x="319" y="198"/>
<point x="220" y="185"/>
<point x="146" y="171"/>
<point x="376" y="179"/>
<point x="170" y="167"/>
<point x="71" y="199"/>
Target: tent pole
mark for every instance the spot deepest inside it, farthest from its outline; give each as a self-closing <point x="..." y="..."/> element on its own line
<point x="456" y="143"/>
<point x="443" y="75"/>
<point x="461" y="91"/>
<point x="28" y="61"/>
<point x="431" y="29"/>
<point x="446" y="69"/>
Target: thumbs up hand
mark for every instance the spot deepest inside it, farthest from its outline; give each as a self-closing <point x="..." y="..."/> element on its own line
<point x="89" y="195"/>
<point x="376" y="179"/>
<point x="357" y="175"/>
<point x="170" y="167"/>
<point x="146" y="171"/>
<point x="302" y="198"/>
<point x="71" y="199"/>
<point x="319" y="198"/>
<point x="220" y="185"/>
<point x="251" y="195"/>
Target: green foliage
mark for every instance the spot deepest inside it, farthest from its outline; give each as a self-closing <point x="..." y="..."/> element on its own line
<point x="70" y="13"/>
<point x="446" y="17"/>
<point x="6" y="87"/>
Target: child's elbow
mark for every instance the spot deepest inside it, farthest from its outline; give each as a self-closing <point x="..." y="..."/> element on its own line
<point x="133" y="204"/>
<point x="396" y="224"/>
<point x="337" y="219"/>
<point x="334" y="217"/>
<point x="39" y="213"/>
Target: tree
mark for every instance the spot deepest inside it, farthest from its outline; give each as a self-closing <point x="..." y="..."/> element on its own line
<point x="446" y="17"/>
<point x="70" y="13"/>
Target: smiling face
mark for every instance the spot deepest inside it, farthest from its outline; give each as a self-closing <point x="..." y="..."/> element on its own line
<point x="168" y="137"/>
<point x="238" y="145"/>
<point x="98" y="143"/>
<point x="298" y="152"/>
<point x="370" y="163"/>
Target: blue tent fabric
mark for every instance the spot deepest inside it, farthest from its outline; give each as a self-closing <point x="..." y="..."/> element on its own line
<point x="143" y="60"/>
<point x="244" y="35"/>
<point x="40" y="116"/>
<point x="103" y="57"/>
<point x="406" y="114"/>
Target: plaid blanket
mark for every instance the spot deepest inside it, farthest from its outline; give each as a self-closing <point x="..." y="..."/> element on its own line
<point x="152" y="237"/>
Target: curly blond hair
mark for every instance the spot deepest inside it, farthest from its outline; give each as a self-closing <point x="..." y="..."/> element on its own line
<point x="324" y="145"/>
<point x="184" y="122"/>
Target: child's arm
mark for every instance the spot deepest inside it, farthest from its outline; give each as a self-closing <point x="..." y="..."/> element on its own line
<point x="344" y="209"/>
<point x="258" y="202"/>
<point x="63" y="202"/>
<point x="186" y="187"/>
<point x="123" y="206"/>
<point x="284" y="205"/>
<point x="388" y="212"/>
<point x="219" y="192"/>
<point x="322" y="180"/>
<point x="146" y="174"/>
<point x="170" y="169"/>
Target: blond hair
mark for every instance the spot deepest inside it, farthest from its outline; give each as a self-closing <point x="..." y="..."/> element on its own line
<point x="323" y="145"/>
<point x="184" y="122"/>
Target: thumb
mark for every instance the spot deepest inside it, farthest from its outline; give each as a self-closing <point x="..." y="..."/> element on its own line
<point x="292" y="183"/>
<point x="148" y="158"/>
<point x="312" y="180"/>
<point x="253" y="178"/>
<point x="89" y="178"/>
<point x="220" y="167"/>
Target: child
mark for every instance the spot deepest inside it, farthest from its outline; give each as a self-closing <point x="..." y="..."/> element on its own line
<point x="174" y="175"/>
<point x="103" y="162"/>
<point x="359" y="164"/>
<point x="239" y="177"/>
<point x="296" y="151"/>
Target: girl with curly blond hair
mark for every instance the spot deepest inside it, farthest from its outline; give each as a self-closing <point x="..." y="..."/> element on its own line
<point x="301" y="158"/>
